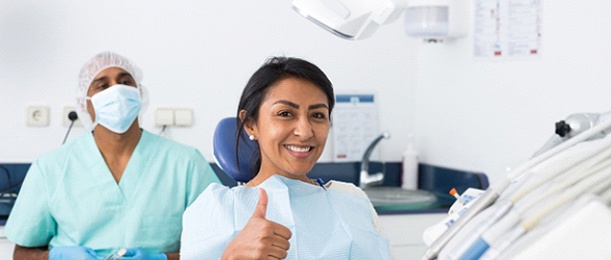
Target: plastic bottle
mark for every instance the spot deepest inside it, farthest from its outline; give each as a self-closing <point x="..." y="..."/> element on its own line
<point x="409" y="176"/>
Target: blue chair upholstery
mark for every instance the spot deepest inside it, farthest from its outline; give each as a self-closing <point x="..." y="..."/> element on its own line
<point x="224" y="144"/>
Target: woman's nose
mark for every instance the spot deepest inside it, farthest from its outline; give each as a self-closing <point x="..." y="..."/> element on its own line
<point x="303" y="128"/>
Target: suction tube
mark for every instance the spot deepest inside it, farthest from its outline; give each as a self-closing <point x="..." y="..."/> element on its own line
<point x="493" y="193"/>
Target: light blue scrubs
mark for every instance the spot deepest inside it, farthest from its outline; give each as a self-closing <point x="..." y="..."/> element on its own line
<point x="325" y="224"/>
<point x="69" y="197"/>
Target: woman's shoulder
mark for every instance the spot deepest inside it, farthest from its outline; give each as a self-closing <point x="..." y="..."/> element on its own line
<point x="213" y="196"/>
<point x="225" y="202"/>
<point x="218" y="194"/>
<point x="347" y="187"/>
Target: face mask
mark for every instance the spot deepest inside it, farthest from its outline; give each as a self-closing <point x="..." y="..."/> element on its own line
<point x="116" y="107"/>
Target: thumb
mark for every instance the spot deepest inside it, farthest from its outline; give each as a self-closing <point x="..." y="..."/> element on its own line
<point x="261" y="208"/>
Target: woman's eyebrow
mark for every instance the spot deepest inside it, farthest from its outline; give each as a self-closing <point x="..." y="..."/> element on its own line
<point x="291" y="104"/>
<point x="286" y="102"/>
<point x="316" y="106"/>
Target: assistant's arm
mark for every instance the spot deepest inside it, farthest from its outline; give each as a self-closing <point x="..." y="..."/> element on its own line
<point x="33" y="253"/>
<point x="30" y="225"/>
<point x="172" y="256"/>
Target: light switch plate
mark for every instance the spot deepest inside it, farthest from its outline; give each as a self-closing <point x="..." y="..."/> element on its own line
<point x="183" y="117"/>
<point x="164" y="117"/>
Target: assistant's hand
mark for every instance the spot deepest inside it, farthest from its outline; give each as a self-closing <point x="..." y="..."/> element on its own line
<point x="139" y="254"/>
<point x="260" y="238"/>
<point x="73" y="252"/>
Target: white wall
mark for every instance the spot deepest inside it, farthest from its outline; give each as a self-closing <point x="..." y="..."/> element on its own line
<point x="488" y="115"/>
<point x="196" y="54"/>
<point x="465" y="113"/>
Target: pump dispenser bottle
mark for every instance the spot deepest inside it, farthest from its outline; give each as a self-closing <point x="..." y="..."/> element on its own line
<point x="409" y="176"/>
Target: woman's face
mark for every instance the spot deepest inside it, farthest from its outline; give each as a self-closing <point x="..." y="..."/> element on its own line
<point x="105" y="79"/>
<point x="292" y="128"/>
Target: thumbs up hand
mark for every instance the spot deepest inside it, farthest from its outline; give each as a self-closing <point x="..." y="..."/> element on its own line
<point x="260" y="238"/>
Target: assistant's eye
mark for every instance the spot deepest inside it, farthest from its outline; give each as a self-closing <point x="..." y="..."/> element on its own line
<point x="128" y="82"/>
<point x="126" y="79"/>
<point x="101" y="86"/>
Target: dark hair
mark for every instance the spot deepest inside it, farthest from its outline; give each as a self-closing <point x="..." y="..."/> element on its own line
<point x="272" y="71"/>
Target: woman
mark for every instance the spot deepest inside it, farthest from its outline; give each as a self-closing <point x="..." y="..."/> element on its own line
<point x="281" y="213"/>
<point x="113" y="188"/>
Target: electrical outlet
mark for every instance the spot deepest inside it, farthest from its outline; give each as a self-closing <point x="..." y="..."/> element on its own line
<point x="66" y="119"/>
<point x="37" y="116"/>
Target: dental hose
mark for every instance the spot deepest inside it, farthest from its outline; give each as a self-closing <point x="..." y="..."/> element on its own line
<point x="515" y="214"/>
<point x="597" y="184"/>
<point x="492" y="194"/>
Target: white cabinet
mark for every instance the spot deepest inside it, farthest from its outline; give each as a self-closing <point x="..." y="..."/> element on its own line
<point x="405" y="233"/>
<point x="6" y="247"/>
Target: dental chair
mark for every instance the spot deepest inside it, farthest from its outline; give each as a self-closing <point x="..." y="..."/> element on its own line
<point x="239" y="167"/>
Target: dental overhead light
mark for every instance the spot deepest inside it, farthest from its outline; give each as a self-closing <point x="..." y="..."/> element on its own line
<point x="359" y="19"/>
<point x="350" y="19"/>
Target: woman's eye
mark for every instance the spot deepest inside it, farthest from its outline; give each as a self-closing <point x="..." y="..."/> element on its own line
<point x="319" y="115"/>
<point x="284" y="113"/>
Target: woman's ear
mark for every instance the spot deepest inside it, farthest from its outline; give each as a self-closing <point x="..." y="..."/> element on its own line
<point x="248" y="125"/>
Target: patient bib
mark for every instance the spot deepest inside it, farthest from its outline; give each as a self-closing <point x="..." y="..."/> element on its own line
<point x="325" y="224"/>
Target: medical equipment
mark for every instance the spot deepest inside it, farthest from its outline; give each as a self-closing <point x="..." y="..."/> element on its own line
<point x="573" y="125"/>
<point x="457" y="209"/>
<point x="435" y="20"/>
<point x="358" y="19"/>
<point x="116" y="255"/>
<point x="532" y="195"/>
<point x="350" y="19"/>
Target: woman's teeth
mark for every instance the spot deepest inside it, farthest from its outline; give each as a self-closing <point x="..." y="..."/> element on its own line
<point x="299" y="149"/>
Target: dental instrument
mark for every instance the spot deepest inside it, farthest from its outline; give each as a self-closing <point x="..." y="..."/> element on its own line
<point x="455" y="194"/>
<point x="595" y="185"/>
<point x="493" y="193"/>
<point x="518" y="206"/>
<point x="571" y="126"/>
<point x="116" y="255"/>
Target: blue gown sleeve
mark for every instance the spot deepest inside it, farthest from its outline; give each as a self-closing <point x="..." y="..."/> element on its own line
<point x="30" y="223"/>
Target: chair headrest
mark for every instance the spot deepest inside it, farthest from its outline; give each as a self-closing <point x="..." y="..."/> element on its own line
<point x="224" y="141"/>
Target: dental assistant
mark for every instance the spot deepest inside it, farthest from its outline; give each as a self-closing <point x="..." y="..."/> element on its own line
<point x="281" y="213"/>
<point x="115" y="187"/>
